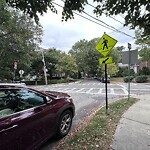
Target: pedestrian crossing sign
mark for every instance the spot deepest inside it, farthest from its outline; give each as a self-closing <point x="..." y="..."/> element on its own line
<point x="105" y="44"/>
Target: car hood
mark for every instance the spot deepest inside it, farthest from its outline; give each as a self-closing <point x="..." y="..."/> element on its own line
<point x="56" y="94"/>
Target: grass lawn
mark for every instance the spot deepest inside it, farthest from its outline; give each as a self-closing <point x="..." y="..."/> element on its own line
<point x="119" y="79"/>
<point x="97" y="134"/>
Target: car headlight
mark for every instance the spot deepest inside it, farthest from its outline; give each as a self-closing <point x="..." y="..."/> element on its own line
<point x="69" y="99"/>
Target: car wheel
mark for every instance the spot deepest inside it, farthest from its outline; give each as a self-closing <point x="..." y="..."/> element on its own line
<point x="64" y="124"/>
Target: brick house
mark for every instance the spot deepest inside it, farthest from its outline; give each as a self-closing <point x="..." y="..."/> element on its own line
<point x="144" y="64"/>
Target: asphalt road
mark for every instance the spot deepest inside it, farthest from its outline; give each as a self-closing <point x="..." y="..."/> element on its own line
<point x="89" y="95"/>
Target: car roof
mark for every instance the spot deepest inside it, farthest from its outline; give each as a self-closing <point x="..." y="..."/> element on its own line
<point x="13" y="84"/>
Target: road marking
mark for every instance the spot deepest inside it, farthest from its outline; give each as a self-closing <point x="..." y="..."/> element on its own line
<point x="141" y="89"/>
<point x="96" y="91"/>
<point x="112" y="91"/>
<point x="70" y="90"/>
<point x="89" y="90"/>
<point x="122" y="86"/>
<point x="80" y="90"/>
<point x="100" y="91"/>
<point x="65" y="89"/>
<point x="134" y="84"/>
<point x="125" y="91"/>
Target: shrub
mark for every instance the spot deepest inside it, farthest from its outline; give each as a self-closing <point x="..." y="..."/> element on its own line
<point x="70" y="79"/>
<point x="29" y="82"/>
<point x="38" y="82"/>
<point x="144" y="71"/>
<point x="141" y="79"/>
<point x="126" y="78"/>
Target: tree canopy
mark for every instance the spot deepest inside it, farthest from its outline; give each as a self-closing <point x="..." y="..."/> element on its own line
<point x="136" y="12"/>
<point x="143" y="46"/>
<point x="19" y="36"/>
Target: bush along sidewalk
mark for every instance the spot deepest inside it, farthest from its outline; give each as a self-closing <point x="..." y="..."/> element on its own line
<point x="97" y="134"/>
<point x="141" y="79"/>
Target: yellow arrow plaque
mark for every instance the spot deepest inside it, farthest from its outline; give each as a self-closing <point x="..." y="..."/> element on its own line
<point x="105" y="60"/>
<point x="105" y="44"/>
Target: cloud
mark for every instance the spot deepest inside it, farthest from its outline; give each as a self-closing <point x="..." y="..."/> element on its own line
<point x="63" y="35"/>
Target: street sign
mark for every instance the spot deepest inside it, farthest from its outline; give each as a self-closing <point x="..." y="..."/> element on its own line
<point x="133" y="57"/>
<point x="105" y="60"/>
<point x="21" y="72"/>
<point x="105" y="44"/>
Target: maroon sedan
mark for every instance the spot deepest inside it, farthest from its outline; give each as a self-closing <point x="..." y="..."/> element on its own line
<point x="29" y="117"/>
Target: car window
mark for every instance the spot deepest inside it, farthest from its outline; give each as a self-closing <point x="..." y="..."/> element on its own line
<point x="30" y="97"/>
<point x="15" y="100"/>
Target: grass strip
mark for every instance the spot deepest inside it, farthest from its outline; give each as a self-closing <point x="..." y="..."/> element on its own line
<point x="97" y="134"/>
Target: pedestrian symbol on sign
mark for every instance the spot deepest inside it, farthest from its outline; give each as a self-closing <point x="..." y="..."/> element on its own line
<point x="105" y="41"/>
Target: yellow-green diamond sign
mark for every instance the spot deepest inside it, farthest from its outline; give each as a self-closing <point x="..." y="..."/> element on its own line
<point x="105" y="44"/>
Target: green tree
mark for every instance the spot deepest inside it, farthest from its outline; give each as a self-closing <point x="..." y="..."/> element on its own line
<point x="86" y="56"/>
<point x="78" y="52"/>
<point x="18" y="38"/>
<point x="112" y="69"/>
<point x="144" y="46"/>
<point x="67" y="66"/>
<point x="133" y="10"/>
<point x="32" y="7"/>
<point x="36" y="68"/>
<point x="116" y="54"/>
<point x="92" y="57"/>
<point x="52" y="57"/>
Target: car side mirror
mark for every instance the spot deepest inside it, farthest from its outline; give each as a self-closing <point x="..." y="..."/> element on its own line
<point x="48" y="100"/>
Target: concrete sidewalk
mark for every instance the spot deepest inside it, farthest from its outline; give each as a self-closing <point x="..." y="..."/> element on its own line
<point x="133" y="132"/>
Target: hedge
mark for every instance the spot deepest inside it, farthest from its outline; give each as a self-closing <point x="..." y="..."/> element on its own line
<point x="126" y="78"/>
<point x="141" y="79"/>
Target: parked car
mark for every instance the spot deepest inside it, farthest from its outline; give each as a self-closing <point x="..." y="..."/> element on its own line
<point x="104" y="80"/>
<point x="29" y="117"/>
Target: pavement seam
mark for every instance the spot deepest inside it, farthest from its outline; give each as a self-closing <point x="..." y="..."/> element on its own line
<point x="137" y="121"/>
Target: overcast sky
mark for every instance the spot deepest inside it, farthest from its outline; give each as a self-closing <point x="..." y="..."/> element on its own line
<point x="63" y="35"/>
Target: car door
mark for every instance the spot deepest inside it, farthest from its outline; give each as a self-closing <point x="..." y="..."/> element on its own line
<point x="27" y="128"/>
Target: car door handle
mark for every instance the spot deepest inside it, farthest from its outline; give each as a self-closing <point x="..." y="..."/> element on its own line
<point x="14" y="126"/>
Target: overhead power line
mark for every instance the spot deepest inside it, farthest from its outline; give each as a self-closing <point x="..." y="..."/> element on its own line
<point x="108" y="16"/>
<point x="88" y="19"/>
<point x="106" y="25"/>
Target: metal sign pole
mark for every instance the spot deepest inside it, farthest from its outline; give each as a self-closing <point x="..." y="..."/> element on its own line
<point x="106" y="88"/>
<point x="129" y="47"/>
<point x="104" y="46"/>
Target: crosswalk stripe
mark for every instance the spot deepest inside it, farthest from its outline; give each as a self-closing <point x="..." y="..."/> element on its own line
<point x="100" y="91"/>
<point x="112" y="91"/>
<point x="125" y="91"/>
<point x="70" y="90"/>
<point x="66" y="89"/>
<point x="89" y="90"/>
<point x="80" y="90"/>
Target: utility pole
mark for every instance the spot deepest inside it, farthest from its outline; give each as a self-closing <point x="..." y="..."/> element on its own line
<point x="129" y="47"/>
<point x="15" y="68"/>
<point x="45" y="75"/>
